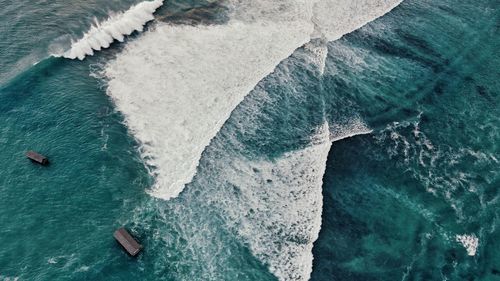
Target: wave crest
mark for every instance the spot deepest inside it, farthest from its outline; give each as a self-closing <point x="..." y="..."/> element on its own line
<point x="116" y="27"/>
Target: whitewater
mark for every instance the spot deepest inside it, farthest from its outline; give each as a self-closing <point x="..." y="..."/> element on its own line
<point x="277" y="209"/>
<point x="177" y="84"/>
<point x="116" y="27"/>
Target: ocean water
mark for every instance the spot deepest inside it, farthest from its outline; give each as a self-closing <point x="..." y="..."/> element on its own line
<point x="251" y="140"/>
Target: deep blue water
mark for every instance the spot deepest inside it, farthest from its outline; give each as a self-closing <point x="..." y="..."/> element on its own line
<point x="424" y="77"/>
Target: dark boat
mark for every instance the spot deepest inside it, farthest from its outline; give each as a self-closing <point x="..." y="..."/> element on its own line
<point x="127" y="241"/>
<point x="38" y="158"/>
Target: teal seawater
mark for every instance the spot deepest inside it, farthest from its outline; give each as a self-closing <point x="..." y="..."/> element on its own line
<point x="424" y="77"/>
<point x="396" y="199"/>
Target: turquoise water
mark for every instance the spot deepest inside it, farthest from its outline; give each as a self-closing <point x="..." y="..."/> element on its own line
<point x="395" y="200"/>
<point x="424" y="78"/>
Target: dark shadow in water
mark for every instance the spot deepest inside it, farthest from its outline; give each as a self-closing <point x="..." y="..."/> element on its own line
<point x="205" y="13"/>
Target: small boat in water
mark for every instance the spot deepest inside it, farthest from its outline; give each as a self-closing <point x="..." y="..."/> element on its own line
<point x="36" y="157"/>
<point x="127" y="241"/>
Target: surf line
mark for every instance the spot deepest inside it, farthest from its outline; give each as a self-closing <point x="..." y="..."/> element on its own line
<point x="102" y="34"/>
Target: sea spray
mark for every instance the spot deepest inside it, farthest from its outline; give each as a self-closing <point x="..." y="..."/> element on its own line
<point x="116" y="27"/>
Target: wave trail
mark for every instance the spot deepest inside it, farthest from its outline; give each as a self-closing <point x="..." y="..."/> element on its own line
<point x="116" y="27"/>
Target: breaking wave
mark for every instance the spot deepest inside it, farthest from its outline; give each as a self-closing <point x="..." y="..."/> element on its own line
<point x="116" y="27"/>
<point x="178" y="84"/>
<point x="274" y="205"/>
<point x="278" y="205"/>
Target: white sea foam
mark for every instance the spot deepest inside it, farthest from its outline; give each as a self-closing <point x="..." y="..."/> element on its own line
<point x="337" y="18"/>
<point x="83" y="268"/>
<point x="116" y="27"/>
<point x="277" y="206"/>
<point x="318" y="51"/>
<point x="353" y="127"/>
<point x="470" y="243"/>
<point x="8" y="278"/>
<point x="178" y="84"/>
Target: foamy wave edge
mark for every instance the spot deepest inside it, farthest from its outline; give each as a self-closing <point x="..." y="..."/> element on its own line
<point x="285" y="196"/>
<point x="116" y="27"/>
<point x="178" y="84"/>
<point x="174" y="106"/>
